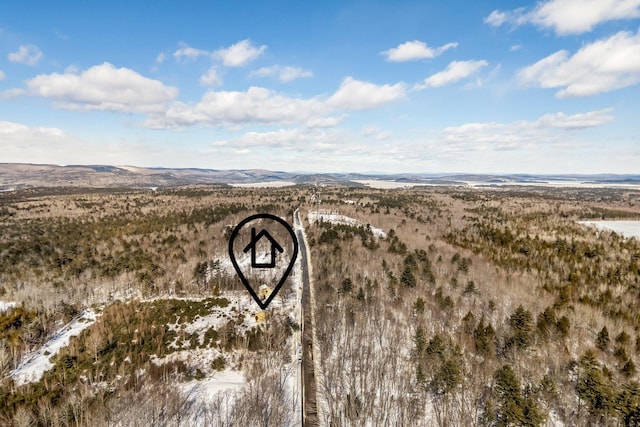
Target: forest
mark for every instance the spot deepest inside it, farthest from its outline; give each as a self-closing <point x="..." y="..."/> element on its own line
<point x="478" y="307"/>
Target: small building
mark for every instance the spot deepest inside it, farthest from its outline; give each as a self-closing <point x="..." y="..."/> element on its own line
<point x="261" y="317"/>
<point x="264" y="292"/>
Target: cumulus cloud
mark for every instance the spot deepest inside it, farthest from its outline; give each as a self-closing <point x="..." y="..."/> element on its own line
<point x="568" y="16"/>
<point x="549" y="128"/>
<point x="256" y="105"/>
<point x="261" y="105"/>
<point x="102" y="87"/>
<point x="160" y="58"/>
<point x="415" y="49"/>
<point x="598" y="67"/>
<point x="27" y="55"/>
<point x="358" y="95"/>
<point x="284" y="74"/>
<point x="455" y="71"/>
<point x="211" y="78"/>
<point x="188" y="52"/>
<point x="239" y="54"/>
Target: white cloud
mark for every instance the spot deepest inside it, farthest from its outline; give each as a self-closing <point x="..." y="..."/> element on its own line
<point x="373" y="131"/>
<point x="598" y="67"/>
<point x="415" y="49"/>
<point x="482" y="81"/>
<point x="27" y="55"/>
<point x="455" y="71"/>
<point x="308" y="142"/>
<point x="102" y="87"/>
<point x="261" y="105"/>
<point x="20" y="143"/>
<point x="211" y="78"/>
<point x="324" y="122"/>
<point x="2" y="75"/>
<point x="358" y="95"/>
<point x="547" y="129"/>
<point x="256" y="105"/>
<point x="188" y="52"/>
<point x="568" y="16"/>
<point x="239" y="54"/>
<point x="497" y="18"/>
<point x="576" y="121"/>
<point x="160" y="58"/>
<point x="17" y="130"/>
<point x="284" y="74"/>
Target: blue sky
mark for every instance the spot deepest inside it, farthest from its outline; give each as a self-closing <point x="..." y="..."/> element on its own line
<point x="332" y="86"/>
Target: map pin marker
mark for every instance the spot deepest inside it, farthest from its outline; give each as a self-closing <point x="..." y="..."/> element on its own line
<point x="263" y="249"/>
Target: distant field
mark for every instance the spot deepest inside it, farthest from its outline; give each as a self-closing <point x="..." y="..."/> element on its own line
<point x="390" y="184"/>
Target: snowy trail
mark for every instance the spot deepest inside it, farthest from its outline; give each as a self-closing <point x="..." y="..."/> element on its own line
<point x="33" y="367"/>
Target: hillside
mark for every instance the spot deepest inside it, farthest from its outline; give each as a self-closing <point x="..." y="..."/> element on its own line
<point x="22" y="175"/>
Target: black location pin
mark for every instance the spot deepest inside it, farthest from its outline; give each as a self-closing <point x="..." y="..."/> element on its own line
<point x="263" y="249"/>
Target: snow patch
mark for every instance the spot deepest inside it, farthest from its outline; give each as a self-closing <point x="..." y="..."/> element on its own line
<point x="202" y="390"/>
<point x="33" y="368"/>
<point x="265" y="184"/>
<point x="7" y="305"/>
<point x="334" y="218"/>
<point x="626" y="228"/>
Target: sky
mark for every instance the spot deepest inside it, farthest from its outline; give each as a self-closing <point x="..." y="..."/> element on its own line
<point x="332" y="86"/>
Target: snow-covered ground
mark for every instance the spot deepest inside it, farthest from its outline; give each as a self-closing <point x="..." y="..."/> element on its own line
<point x="226" y="381"/>
<point x="6" y="306"/>
<point x="382" y="184"/>
<point x="225" y="387"/>
<point x="552" y="184"/>
<point x="265" y="276"/>
<point x="266" y="184"/>
<point x="241" y="310"/>
<point x="36" y="364"/>
<point x="334" y="218"/>
<point x="386" y="184"/>
<point x="626" y="228"/>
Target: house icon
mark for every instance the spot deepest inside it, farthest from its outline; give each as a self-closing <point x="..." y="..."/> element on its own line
<point x="255" y="245"/>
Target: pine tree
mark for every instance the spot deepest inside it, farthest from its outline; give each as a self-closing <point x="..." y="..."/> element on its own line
<point x="602" y="340"/>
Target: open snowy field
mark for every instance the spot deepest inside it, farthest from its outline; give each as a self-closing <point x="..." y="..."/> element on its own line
<point x="389" y="185"/>
<point x="626" y="228"/>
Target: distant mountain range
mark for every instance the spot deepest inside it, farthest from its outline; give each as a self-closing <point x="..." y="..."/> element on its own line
<point x="23" y="175"/>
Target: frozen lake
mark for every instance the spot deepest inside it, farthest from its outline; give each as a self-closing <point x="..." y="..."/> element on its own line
<point x="626" y="228"/>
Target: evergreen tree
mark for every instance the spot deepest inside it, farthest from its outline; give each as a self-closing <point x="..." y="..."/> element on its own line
<point x="602" y="340"/>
